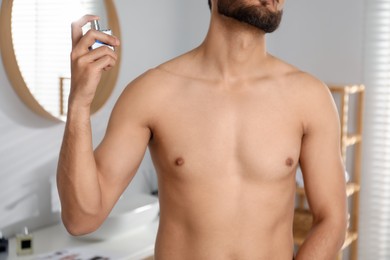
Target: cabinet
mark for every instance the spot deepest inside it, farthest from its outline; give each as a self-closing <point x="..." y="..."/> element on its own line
<point x="351" y="137"/>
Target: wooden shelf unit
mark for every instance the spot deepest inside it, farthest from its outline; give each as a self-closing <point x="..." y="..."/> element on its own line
<point x="352" y="188"/>
<point x="303" y="218"/>
<point x="302" y="224"/>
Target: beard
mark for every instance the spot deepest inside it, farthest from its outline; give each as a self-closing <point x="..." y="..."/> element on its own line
<point x="258" y="16"/>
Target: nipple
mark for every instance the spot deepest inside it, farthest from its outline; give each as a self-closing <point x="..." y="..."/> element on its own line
<point x="179" y="161"/>
<point x="289" y="162"/>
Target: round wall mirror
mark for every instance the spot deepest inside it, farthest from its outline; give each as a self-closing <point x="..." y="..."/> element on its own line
<point x="35" y="44"/>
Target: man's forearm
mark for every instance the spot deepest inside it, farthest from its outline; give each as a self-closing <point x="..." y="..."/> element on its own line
<point x="77" y="177"/>
<point x="323" y="242"/>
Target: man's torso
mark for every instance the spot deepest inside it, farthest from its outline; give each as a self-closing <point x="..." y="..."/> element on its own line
<point x="226" y="155"/>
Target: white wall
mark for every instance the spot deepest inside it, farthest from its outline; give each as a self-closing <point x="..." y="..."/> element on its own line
<point x="324" y="38"/>
<point x="321" y="37"/>
<point x="152" y="32"/>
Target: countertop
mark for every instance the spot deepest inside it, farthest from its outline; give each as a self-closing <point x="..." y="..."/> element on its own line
<point x="135" y="245"/>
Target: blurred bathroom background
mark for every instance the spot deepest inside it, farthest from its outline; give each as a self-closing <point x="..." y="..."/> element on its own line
<point x="324" y="38"/>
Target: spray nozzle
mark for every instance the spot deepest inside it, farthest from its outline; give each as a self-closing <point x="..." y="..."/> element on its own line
<point x="95" y="25"/>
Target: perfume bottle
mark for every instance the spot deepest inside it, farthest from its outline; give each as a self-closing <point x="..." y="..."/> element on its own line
<point x="3" y="246"/>
<point x="95" y="25"/>
<point x="24" y="243"/>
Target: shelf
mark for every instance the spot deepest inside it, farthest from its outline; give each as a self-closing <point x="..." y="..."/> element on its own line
<point x="347" y="89"/>
<point x="302" y="224"/>
<point x="352" y="188"/>
<point x="353" y="139"/>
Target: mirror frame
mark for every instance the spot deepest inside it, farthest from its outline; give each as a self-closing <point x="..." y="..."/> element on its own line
<point x="107" y="82"/>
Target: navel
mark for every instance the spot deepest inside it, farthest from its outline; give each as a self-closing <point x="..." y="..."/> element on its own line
<point x="289" y="162"/>
<point x="179" y="161"/>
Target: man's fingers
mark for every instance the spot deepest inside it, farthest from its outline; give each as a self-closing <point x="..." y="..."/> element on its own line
<point x="82" y="47"/>
<point x="77" y="26"/>
<point x="105" y="62"/>
<point x="97" y="60"/>
<point x="92" y="35"/>
<point x="98" y="53"/>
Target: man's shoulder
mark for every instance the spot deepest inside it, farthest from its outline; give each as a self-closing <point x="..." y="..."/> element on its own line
<point x="300" y="80"/>
<point x="308" y="92"/>
<point x="156" y="85"/>
<point x="180" y="68"/>
<point x="293" y="74"/>
<point x="165" y="74"/>
<point x="310" y="95"/>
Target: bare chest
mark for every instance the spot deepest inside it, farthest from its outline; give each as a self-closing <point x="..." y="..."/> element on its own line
<point x="254" y="135"/>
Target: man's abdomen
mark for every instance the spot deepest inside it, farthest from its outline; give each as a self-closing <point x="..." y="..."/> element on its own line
<point x="234" y="218"/>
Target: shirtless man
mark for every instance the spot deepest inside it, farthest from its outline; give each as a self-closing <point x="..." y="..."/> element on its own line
<point x="226" y="125"/>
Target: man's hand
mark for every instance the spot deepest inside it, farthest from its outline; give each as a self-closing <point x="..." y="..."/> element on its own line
<point x="87" y="66"/>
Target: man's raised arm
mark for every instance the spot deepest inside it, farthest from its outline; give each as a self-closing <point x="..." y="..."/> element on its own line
<point x="89" y="183"/>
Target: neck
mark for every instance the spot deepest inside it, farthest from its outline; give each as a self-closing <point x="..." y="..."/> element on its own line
<point x="233" y="49"/>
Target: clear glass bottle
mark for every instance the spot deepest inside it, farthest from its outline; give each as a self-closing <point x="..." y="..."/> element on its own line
<point x="95" y="25"/>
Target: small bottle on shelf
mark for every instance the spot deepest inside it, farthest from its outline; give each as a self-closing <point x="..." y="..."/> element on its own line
<point x="24" y="243"/>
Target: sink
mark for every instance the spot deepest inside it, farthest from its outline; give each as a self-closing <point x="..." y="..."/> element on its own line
<point x="129" y="214"/>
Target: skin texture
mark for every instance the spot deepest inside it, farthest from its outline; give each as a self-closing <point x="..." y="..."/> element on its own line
<point x="226" y="125"/>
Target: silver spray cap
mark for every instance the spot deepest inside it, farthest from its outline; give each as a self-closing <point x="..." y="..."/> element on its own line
<point x="95" y="25"/>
